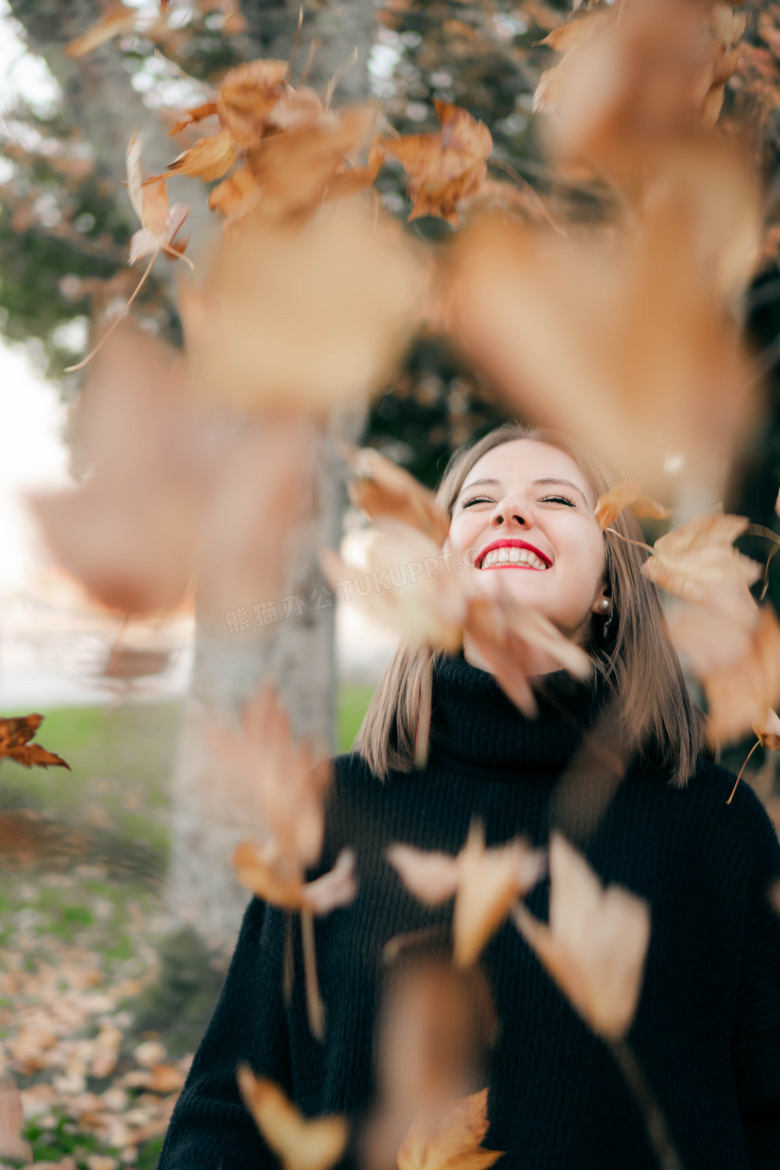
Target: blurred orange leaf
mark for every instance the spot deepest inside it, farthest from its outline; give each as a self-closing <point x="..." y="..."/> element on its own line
<point x="735" y="693"/>
<point x="300" y="1144"/>
<point x="486" y="884"/>
<point x="159" y="221"/>
<point x="113" y="23"/>
<point x="446" y="167"/>
<point x="596" y="943"/>
<point x="449" y="1138"/>
<point x="697" y="561"/>
<point x="293" y="319"/>
<point x="379" y="487"/>
<point x="209" y="158"/>
<point x="627" y="494"/>
<point x="767" y="727"/>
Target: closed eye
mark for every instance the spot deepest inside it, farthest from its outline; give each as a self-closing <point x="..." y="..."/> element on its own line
<point x="559" y="500"/>
<point x="476" y="500"/>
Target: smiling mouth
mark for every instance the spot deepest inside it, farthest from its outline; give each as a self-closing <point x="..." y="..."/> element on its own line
<point x="512" y="557"/>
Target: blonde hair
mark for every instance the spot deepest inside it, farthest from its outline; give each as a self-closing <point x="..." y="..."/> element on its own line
<point x="638" y="662"/>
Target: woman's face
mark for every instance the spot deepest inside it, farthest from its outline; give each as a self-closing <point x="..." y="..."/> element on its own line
<point x="535" y="498"/>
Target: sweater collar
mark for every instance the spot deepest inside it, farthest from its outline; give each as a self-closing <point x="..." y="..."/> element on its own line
<point x="474" y="722"/>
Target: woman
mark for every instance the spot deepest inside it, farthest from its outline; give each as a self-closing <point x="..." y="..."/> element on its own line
<point x="707" y="1027"/>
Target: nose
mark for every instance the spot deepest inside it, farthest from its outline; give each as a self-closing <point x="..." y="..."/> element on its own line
<point x="506" y="511"/>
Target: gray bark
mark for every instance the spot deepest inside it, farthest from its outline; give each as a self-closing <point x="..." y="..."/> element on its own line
<point x="298" y="653"/>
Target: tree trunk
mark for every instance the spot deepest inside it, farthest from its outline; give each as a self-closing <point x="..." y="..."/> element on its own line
<point x="296" y="653"/>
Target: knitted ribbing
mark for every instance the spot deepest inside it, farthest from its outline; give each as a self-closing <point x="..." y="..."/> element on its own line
<point x="707" y="1027"/>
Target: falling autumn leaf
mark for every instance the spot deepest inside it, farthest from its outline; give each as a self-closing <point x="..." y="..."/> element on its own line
<point x="284" y="787"/>
<point x="260" y="868"/>
<point x="596" y="942"/>
<point x="767" y="727"/>
<point x="379" y="487"/>
<point x="160" y="222"/>
<point x="247" y="97"/>
<point x="116" y="21"/>
<point x="402" y="582"/>
<point x="443" y="168"/>
<point x="301" y="1144"/>
<point x="449" y="1138"/>
<point x="715" y="635"/>
<point x="129" y="533"/>
<point x="627" y="494"/>
<point x="15" y="736"/>
<point x="654" y="363"/>
<point x="209" y="158"/>
<point x="193" y="116"/>
<point x="432" y="877"/>
<point x="486" y="884"/>
<point x="510" y="636"/>
<point x="293" y="319"/>
<point x="697" y="561"/>
<point x="736" y="693"/>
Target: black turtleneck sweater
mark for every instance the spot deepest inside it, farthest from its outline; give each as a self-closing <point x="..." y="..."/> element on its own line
<point x="707" y="1027"/>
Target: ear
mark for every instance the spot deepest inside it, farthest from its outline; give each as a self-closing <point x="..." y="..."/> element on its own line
<point x="604" y="594"/>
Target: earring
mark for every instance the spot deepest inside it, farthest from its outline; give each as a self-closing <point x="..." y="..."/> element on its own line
<point x="605" y="607"/>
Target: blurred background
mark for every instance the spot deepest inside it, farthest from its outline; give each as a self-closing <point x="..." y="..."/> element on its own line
<point x="116" y="909"/>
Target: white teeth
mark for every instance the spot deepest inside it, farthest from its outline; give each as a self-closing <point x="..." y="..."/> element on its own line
<point x="510" y="555"/>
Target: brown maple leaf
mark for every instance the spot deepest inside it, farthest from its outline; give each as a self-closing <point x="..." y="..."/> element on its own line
<point x="443" y="168"/>
<point x="596" y="942"/>
<point x="410" y="588"/>
<point x="627" y="494"/>
<point x="697" y="561"/>
<point x="210" y="158"/>
<point x="277" y="298"/>
<point x="486" y="884"/>
<point x="379" y="487"/>
<point x="301" y="1144"/>
<point x="117" y="20"/>
<point x="160" y="222"/>
<point x="262" y="870"/>
<point x="15" y="736"/>
<point x="737" y="692"/>
<point x="449" y="1138"/>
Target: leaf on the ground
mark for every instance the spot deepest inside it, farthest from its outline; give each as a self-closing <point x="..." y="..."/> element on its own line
<point x="299" y="320"/>
<point x="486" y="884"/>
<point x="627" y="494"/>
<point x="596" y="942"/>
<point x="443" y="168"/>
<point x="449" y="1138"/>
<point x="402" y="582"/>
<point x="283" y="787"/>
<point x="117" y="20"/>
<point x="379" y="487"/>
<point x="15" y="736"/>
<point x="737" y="692"/>
<point x="160" y="222"/>
<point x="12" y="1144"/>
<point x="697" y="561"/>
<point x="300" y="1143"/>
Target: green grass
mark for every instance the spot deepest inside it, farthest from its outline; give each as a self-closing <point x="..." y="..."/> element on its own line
<point x="352" y="705"/>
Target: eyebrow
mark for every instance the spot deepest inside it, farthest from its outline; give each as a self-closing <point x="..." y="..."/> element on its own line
<point x="545" y="480"/>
